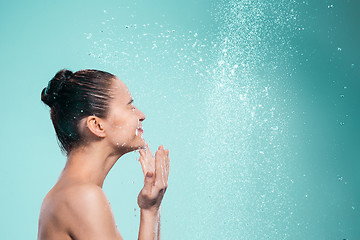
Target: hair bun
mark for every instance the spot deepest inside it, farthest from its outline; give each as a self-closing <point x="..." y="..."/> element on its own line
<point x="51" y="92"/>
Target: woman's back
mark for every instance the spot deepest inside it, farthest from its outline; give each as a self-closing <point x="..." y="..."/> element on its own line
<point x="53" y="214"/>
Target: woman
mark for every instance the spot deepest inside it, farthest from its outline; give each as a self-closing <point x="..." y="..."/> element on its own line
<point x="96" y="123"/>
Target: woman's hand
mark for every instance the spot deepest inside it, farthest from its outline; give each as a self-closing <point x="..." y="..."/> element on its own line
<point x="156" y="174"/>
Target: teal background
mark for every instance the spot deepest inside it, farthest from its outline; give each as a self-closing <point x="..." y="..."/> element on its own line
<point x="256" y="100"/>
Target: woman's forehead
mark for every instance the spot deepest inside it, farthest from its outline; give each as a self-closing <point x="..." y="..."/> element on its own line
<point x="120" y="89"/>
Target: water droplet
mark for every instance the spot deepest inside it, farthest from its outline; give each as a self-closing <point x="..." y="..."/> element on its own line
<point x="342" y="95"/>
<point x="341" y="123"/>
<point x="330" y="6"/>
<point x="275" y="128"/>
<point x="340" y="178"/>
<point x="339" y="49"/>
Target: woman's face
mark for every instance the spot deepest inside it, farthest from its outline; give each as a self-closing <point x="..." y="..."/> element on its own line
<point x="124" y="122"/>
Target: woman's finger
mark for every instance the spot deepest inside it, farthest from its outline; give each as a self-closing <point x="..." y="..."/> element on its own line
<point x="143" y="165"/>
<point x="142" y="153"/>
<point x="148" y="151"/>
<point x="150" y="159"/>
<point x="160" y="167"/>
<point x="157" y="166"/>
<point x="163" y="164"/>
<point x="167" y="164"/>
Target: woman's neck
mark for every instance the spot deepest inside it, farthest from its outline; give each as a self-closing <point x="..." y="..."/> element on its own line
<point x="90" y="164"/>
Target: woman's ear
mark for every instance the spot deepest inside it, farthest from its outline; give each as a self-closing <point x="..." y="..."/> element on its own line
<point x="96" y="126"/>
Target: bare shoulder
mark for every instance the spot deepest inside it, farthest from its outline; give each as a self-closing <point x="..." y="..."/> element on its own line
<point x="79" y="197"/>
<point x="74" y="198"/>
<point x="82" y="210"/>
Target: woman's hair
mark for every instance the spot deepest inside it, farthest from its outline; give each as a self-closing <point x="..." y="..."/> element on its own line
<point x="73" y="96"/>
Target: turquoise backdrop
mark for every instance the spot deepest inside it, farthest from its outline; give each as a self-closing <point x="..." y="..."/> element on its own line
<point x="257" y="100"/>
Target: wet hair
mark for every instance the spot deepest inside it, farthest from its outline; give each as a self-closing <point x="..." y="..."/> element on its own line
<point x="73" y="96"/>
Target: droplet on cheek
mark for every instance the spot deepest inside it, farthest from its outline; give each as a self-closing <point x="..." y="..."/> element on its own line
<point x="136" y="132"/>
<point x="123" y="144"/>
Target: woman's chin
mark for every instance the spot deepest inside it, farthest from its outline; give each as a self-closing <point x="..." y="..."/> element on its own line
<point x="142" y="145"/>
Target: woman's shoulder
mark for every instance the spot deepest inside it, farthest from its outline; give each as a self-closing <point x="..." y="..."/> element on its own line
<point x="86" y="212"/>
<point x="73" y="197"/>
<point x="69" y="208"/>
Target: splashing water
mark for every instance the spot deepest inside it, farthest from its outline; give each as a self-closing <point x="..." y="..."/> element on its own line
<point x="241" y="169"/>
<point x="246" y="126"/>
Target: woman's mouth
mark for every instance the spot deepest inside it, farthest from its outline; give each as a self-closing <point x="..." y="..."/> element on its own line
<point x="139" y="130"/>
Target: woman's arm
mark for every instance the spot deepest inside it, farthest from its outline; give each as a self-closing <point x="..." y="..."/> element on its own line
<point x="149" y="225"/>
<point x="155" y="183"/>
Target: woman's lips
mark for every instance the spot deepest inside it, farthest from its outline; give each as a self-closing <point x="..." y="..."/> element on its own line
<point x="140" y="129"/>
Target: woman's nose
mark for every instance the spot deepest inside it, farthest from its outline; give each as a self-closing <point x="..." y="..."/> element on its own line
<point x="142" y="116"/>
